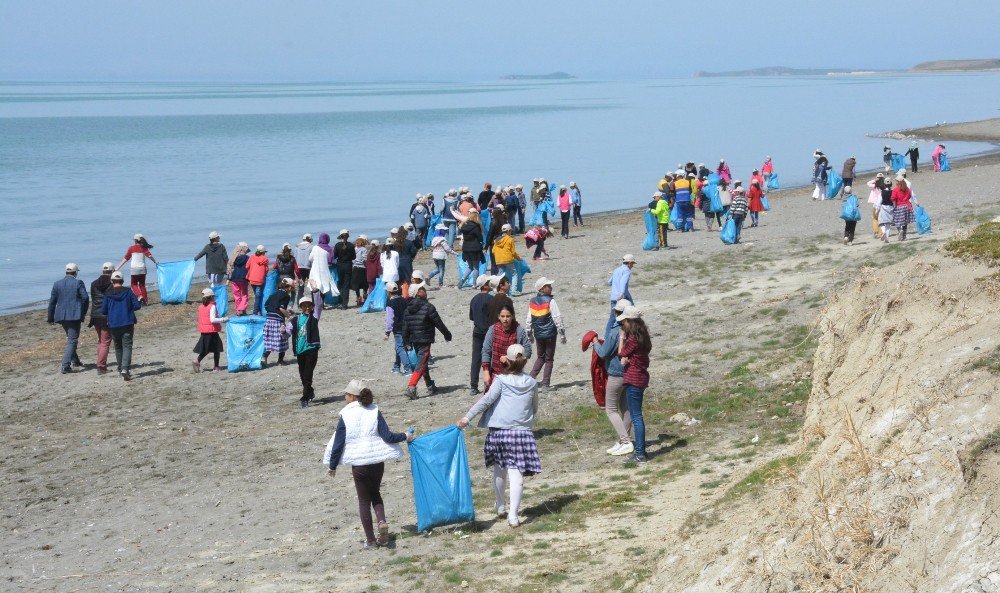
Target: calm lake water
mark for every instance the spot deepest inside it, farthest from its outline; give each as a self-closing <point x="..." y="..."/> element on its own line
<point x="85" y="166"/>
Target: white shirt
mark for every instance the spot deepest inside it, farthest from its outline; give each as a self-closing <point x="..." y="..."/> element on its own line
<point x="390" y="266"/>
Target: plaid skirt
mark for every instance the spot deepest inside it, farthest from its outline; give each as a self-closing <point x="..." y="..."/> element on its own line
<point x="902" y="216"/>
<point x="512" y="449"/>
<point x="274" y="340"/>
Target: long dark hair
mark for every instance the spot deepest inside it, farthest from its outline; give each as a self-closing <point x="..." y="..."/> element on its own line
<point x="142" y="242"/>
<point x="636" y="328"/>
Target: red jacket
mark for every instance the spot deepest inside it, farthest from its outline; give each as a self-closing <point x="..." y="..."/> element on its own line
<point x="257" y="269"/>
<point x="598" y="374"/>
<point x="901" y="197"/>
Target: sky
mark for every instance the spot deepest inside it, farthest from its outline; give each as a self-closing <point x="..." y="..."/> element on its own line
<point x="330" y="40"/>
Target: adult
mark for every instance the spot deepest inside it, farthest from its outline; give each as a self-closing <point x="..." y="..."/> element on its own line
<point x="847" y="172"/>
<point x="68" y="307"/>
<point x="320" y="278"/>
<point x="565" y="207"/>
<point x="505" y="253"/>
<point x="767" y="169"/>
<point x="485" y="196"/>
<point x="723" y="171"/>
<point x="615" y="406"/>
<point x="480" y="325"/>
<point x="420" y="216"/>
<point x="887" y="157"/>
<point x="500" y="336"/>
<point x="136" y="257"/>
<point x="302" y="252"/>
<point x="286" y="265"/>
<point x="682" y="198"/>
<point x="216" y="259"/>
<point x="703" y="171"/>
<point x="522" y="205"/>
<point x="936" y="157"/>
<point x="98" y="320"/>
<point x="373" y="264"/>
<point x="821" y="166"/>
<point x="577" y="198"/>
<point x="472" y="243"/>
<point x="661" y="210"/>
<point x="450" y="202"/>
<point x="512" y="206"/>
<point x="257" y="267"/>
<point x="501" y="286"/>
<point x="546" y="324"/>
<point x="633" y="352"/>
<point x="419" y="322"/>
<point x="618" y="282"/>
<point x="119" y="306"/>
<point x="914" y="153"/>
<point x="237" y="270"/>
<point x="343" y="257"/>
<point x="407" y="252"/>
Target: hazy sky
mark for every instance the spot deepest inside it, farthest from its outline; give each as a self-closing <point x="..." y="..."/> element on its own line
<point x="308" y="40"/>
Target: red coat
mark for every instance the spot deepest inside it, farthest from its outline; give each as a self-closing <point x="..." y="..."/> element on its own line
<point x="754" y="194"/>
<point x="598" y="374"/>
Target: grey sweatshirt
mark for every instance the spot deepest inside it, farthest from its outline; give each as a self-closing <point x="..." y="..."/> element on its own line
<point x="511" y="403"/>
<point x="216" y="258"/>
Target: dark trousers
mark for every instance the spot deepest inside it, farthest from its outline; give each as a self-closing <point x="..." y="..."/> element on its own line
<point x="72" y="329"/>
<point x="539" y="249"/>
<point x="738" y="220"/>
<point x="913" y="163"/>
<point x="122" y="337"/>
<point x="565" y="223"/>
<point x="545" y="353"/>
<point x="849" y="226"/>
<point x="577" y="217"/>
<point x="422" y="370"/>
<point x="303" y="285"/>
<point x="477" y="359"/>
<point x="664" y="228"/>
<point x="307" y="364"/>
<point x="520" y="219"/>
<point x="344" y="283"/>
<point x="368" y="483"/>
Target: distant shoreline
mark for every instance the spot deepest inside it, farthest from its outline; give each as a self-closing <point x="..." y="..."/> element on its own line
<point x="985" y="65"/>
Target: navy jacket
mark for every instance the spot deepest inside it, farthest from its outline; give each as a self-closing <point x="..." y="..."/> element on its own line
<point x="119" y="306"/>
<point x="69" y="300"/>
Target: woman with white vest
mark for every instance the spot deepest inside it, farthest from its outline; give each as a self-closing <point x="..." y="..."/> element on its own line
<point x="363" y="441"/>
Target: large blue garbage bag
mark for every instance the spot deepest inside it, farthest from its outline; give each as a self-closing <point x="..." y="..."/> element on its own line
<point x="765" y="203"/>
<point x="221" y="299"/>
<point x="834" y="184"/>
<point x="711" y="191"/>
<point x="676" y="218"/>
<point x="651" y="242"/>
<point x="522" y="269"/>
<point x="245" y="343"/>
<point x="728" y="232"/>
<point x="923" y="220"/>
<point x="435" y="220"/>
<point x="412" y="355"/>
<point x="270" y="285"/>
<point x="463" y="268"/>
<point x="897" y="162"/>
<point x="173" y="279"/>
<point x="772" y="182"/>
<point x="487" y="218"/>
<point x="328" y="298"/>
<point x="442" y="488"/>
<point x="376" y="298"/>
<point x="943" y="162"/>
<point x="850" y="211"/>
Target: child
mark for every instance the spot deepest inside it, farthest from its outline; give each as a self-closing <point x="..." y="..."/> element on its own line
<point x="238" y="277"/>
<point x="739" y="207"/>
<point x="285" y="263"/>
<point x="885" y="212"/>
<point x="257" y="267"/>
<point x="363" y="441"/>
<point x="545" y="323"/>
<point x="509" y="409"/>
<point x="277" y="310"/>
<point x="136" y="257"/>
<point x="359" y="276"/>
<point x="440" y="250"/>
<point x="633" y="351"/>
<point x="305" y="344"/>
<point x="209" y="324"/>
<point x="902" y="199"/>
<point x="395" y="307"/>
<point x="536" y="236"/>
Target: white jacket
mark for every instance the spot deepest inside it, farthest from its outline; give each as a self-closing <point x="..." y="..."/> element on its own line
<point x="320" y="272"/>
<point x="362" y="445"/>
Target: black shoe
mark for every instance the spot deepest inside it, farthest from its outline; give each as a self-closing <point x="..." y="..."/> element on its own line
<point x="65" y="370"/>
<point x="635" y="458"/>
<point x="473" y="392"/>
<point x="304" y="403"/>
<point x="78" y="364"/>
<point x="126" y="375"/>
<point x="432" y="389"/>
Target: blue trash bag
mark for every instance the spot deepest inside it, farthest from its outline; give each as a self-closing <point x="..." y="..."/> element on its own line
<point x="765" y="203"/>
<point x="943" y="163"/>
<point x="711" y="191"/>
<point x="728" y="232"/>
<point x="897" y="162"/>
<point x="270" y="285"/>
<point x="486" y="217"/>
<point x="536" y="217"/>
<point x="923" y="220"/>
<point x="221" y="299"/>
<point x="328" y="298"/>
<point x="850" y="211"/>
<point x="676" y="218"/>
<point x="651" y="243"/>
<point x="834" y="184"/>
<point x="772" y="182"/>
<point x="442" y="487"/>
<point x="412" y="355"/>
<point x="522" y="269"/>
<point x="435" y="220"/>
<point x="377" y="298"/>
<point x="245" y="343"/>
<point x="173" y="279"/>
<point x="463" y="268"/>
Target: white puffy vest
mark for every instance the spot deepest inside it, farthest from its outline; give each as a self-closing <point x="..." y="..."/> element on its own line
<point x="363" y="445"/>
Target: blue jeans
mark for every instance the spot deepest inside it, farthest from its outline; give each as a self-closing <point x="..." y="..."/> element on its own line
<point x="633" y="395"/>
<point x="439" y="271"/>
<point x="754" y="217"/>
<point x="72" y="329"/>
<point x="258" y="299"/>
<point x="452" y="232"/>
<point x="738" y="220"/>
<point x="402" y="358"/>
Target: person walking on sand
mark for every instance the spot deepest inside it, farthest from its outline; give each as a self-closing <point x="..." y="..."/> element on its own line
<point x="136" y="257"/>
<point x="848" y="174"/>
<point x="577" y="198"/>
<point x="682" y="197"/>
<point x="885" y="213"/>
<point x="389" y="262"/>
<point x="480" y="326"/>
<point x="512" y="206"/>
<point x="723" y="171"/>
<point x="68" y="308"/>
<point x="363" y="441"/>
<point x="420" y="216"/>
<point x="419" y="322"/>
<point x="914" y="153"/>
<point x="343" y="255"/>
<point x="395" y="310"/>
<point x="505" y="254"/>
<point x="485" y="196"/>
<point x="633" y="351"/>
<point x="216" y="259"/>
<point x="535" y="237"/>
<point x="565" y="206"/>
<point x="755" y="202"/>
<point x="619" y="282"/>
<point x="407" y="253"/>
<point x="440" y="250"/>
<point x="305" y="340"/>
<point x="472" y="243"/>
<point x="508" y="410"/>
<point x="522" y="205"/>
<point x="98" y="320"/>
<point x="278" y="309"/>
<point x="499" y="336"/>
<point x="546" y="323"/>
<point x="209" y="326"/>
<point x="902" y="201"/>
<point x="875" y="201"/>
<point x="237" y="270"/>
<point x="257" y="267"/>
<point x="373" y="264"/>
<point x="739" y="208"/>
<point x="449" y="203"/>
<point x="302" y="252"/>
<point x="615" y="405"/>
<point x="119" y="306"/>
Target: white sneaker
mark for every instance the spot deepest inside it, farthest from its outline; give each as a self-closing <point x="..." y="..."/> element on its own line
<point x="515" y="521"/>
<point x="611" y="450"/>
<point x="501" y="511"/>
<point x="624" y="449"/>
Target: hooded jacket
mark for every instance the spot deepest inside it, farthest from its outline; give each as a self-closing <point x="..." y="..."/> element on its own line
<point x="97" y="289"/>
<point x="511" y="403"/>
<point x="472" y="237"/>
<point x="848" y="171"/>
<point x="504" y="251"/>
<point x="215" y="256"/>
<point x="302" y="252"/>
<point x="419" y="322"/>
<point x="119" y="306"/>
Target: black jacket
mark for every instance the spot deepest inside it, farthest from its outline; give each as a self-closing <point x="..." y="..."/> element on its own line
<point x="477" y="313"/>
<point x="97" y="289"/>
<point x="344" y="253"/>
<point x="484" y="199"/>
<point x="406" y="255"/>
<point x="398" y="306"/>
<point x="472" y="237"/>
<point x="419" y="322"/>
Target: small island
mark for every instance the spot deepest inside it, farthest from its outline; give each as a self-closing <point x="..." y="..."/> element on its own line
<point x="551" y="76"/>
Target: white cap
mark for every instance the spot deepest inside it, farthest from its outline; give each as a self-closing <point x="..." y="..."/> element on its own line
<point x="213" y="235"/>
<point x="374" y="243"/>
<point x="658" y="194"/>
<point x="572" y="184"/>
<point x="390" y="241"/>
<point x="441" y="227"/>
<point x="505" y="227"/>
<point x="419" y="196"/>
<point x="363" y="237"/>
<point x="628" y="258"/>
<point x="412" y="291"/>
<point x="71" y="267"/>
<point x="107" y="267"/>
<point x="408" y="226"/>
<point x="562" y="187"/>
<point x="394" y="230"/>
<point x="630" y="312"/>
<point x="535" y="180"/>
<point x="287" y="282"/>
<point x="542" y="283"/>
<point x="391" y="287"/>
<point x="495" y="280"/>
<point x="452" y="191"/>
<point x="306" y="299"/>
<point x="242" y="244"/>
<point x="421" y="200"/>
<point x="260" y="248"/>
<point x="515" y="350"/>
<point x="621" y="304"/>
<point x="285" y="246"/>
<point x="355" y="387"/>
<point x="307" y="237"/>
<point x="483" y="280"/>
<point x="342" y="233"/>
<point x="679" y="172"/>
<point x="117" y="276"/>
<point x="207" y="292"/>
<point x="499" y="207"/>
<point x="519" y="186"/>
<point x="417" y="274"/>
<point x="137" y="236"/>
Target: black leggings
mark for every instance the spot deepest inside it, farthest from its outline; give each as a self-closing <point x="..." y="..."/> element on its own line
<point x="307" y="364"/>
<point x="215" y="357"/>
<point x="368" y="483"/>
<point x="565" y="223"/>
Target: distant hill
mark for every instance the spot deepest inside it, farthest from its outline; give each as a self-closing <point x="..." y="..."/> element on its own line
<point x="957" y="65"/>
<point x="779" y="71"/>
<point x="552" y="76"/>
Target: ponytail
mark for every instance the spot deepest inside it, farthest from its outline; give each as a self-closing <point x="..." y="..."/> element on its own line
<point x="366" y="397"/>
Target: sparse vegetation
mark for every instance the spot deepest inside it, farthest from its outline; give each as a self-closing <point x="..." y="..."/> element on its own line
<point x="981" y="244"/>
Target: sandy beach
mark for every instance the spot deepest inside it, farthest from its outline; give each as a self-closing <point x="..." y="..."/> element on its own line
<point x="214" y="482"/>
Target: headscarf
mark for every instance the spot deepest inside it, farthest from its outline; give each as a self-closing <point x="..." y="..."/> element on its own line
<point x="324" y="244"/>
<point x="240" y="250"/>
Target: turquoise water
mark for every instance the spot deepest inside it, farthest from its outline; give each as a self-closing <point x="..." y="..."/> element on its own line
<point x="84" y="166"/>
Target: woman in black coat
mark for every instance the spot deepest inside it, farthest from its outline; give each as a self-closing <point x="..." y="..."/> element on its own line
<point x="472" y="243"/>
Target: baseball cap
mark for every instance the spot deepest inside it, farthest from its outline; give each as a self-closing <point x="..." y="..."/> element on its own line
<point x="630" y="312"/>
<point x="306" y="299"/>
<point x="391" y="287"/>
<point x="343" y="232"/>
<point x="213" y="235"/>
<point x="483" y="280"/>
<point x="417" y="274"/>
<point x="307" y="237"/>
<point x="260" y="249"/>
<point x="505" y="228"/>
<point x="628" y="258"/>
<point x="137" y="236"/>
<point x="355" y="387"/>
<point x="621" y="304"/>
<point x="412" y="291"/>
<point x="542" y="283"/>
<point x="107" y="267"/>
<point x="71" y="267"/>
<point x="207" y="292"/>
<point x="116" y="276"/>
<point x="515" y="350"/>
<point x="495" y="280"/>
